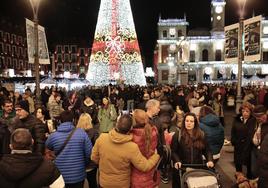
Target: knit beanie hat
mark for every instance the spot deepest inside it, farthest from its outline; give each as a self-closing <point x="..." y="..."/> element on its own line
<point x="24" y="105"/>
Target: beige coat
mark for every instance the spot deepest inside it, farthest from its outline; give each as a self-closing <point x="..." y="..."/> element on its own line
<point x="115" y="153"/>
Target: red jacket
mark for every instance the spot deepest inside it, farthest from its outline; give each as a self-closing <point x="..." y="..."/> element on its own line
<point x="144" y="179"/>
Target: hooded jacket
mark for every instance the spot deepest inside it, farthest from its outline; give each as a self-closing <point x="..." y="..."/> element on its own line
<point x="214" y="132"/>
<point x="115" y="152"/>
<point x="27" y="170"/>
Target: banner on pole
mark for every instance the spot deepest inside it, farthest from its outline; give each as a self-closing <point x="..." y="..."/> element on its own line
<point x="231" y="43"/>
<point x="252" y="32"/>
<point x="42" y="43"/>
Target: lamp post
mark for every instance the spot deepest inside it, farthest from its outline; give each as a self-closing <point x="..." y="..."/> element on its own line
<point x="239" y="100"/>
<point x="35" y="8"/>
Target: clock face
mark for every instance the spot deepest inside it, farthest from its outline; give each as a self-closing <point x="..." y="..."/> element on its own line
<point x="218" y="9"/>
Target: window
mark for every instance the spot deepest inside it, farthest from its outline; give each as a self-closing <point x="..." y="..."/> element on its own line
<point x="7" y="37"/>
<point x="16" y="65"/>
<point x="82" y="52"/>
<point x="1" y="47"/>
<point x="66" y="57"/>
<point x="20" y="40"/>
<point x="1" y="35"/>
<point x="66" y="67"/>
<point x="8" y="49"/>
<point x="25" y="52"/>
<point x="14" y="50"/>
<point x="9" y="62"/>
<point x="74" y="67"/>
<point x="179" y="33"/>
<point x="205" y="55"/>
<point x="59" y="67"/>
<point x="59" y="49"/>
<point x="165" y="34"/>
<point x="265" y="56"/>
<point x="82" y="61"/>
<point x="192" y="56"/>
<point x="2" y="62"/>
<point x="74" y="49"/>
<point x="24" y="42"/>
<point x="66" y="49"/>
<point x="21" y="64"/>
<point x="218" y="55"/>
<point x="59" y="58"/>
<point x="74" y="58"/>
<point x="165" y="75"/>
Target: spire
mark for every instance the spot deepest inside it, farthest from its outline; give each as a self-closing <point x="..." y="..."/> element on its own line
<point x="185" y="16"/>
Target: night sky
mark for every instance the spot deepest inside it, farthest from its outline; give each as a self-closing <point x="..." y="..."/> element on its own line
<point x="75" y="20"/>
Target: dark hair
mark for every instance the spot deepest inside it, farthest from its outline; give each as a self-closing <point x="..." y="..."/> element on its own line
<point x="21" y="139"/>
<point x="44" y="112"/>
<point x="66" y="116"/>
<point x="205" y="110"/>
<point x="6" y="101"/>
<point x="124" y="124"/>
<point x="197" y="139"/>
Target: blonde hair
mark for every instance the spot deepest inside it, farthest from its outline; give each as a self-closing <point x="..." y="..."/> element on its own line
<point x="85" y="121"/>
<point x="141" y="118"/>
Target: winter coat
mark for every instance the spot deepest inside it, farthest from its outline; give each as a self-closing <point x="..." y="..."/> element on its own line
<point x="115" y="152"/>
<point x="107" y="118"/>
<point x="74" y="157"/>
<point x="144" y="179"/>
<point x="93" y="134"/>
<point x="4" y="139"/>
<point x="214" y="132"/>
<point x="36" y="128"/>
<point x="27" y="170"/>
<point x="92" y="110"/>
<point x="241" y="139"/>
<point x="180" y="152"/>
<point x="55" y="109"/>
<point x="263" y="162"/>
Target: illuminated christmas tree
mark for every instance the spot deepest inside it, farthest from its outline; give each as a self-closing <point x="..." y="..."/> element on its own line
<point x="115" y="52"/>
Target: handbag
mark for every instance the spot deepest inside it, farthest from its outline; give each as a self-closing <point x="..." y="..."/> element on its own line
<point x="51" y="155"/>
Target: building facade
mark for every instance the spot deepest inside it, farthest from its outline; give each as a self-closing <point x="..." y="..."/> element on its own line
<point x="196" y="56"/>
<point x="70" y="59"/>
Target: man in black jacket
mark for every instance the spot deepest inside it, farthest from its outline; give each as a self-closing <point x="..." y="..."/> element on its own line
<point x="25" y="120"/>
<point x="22" y="168"/>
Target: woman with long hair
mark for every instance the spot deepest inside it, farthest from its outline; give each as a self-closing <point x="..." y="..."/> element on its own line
<point x="85" y="122"/>
<point x="188" y="146"/>
<point x="145" y="136"/>
<point x="107" y="116"/>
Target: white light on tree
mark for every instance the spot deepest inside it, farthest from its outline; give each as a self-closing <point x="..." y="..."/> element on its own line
<point x="115" y="48"/>
<point x="116" y="75"/>
<point x="235" y="70"/>
<point x="218" y="9"/>
<point x="265" y="30"/>
<point x="264" y="69"/>
<point x="42" y="72"/>
<point x="218" y="17"/>
<point x="149" y="72"/>
<point x="208" y="70"/>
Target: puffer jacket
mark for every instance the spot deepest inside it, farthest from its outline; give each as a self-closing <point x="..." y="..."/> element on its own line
<point x="144" y="179"/>
<point x="214" y="131"/>
<point x="116" y="153"/>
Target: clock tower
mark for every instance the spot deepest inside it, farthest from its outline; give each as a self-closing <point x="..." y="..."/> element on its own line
<point x="218" y="15"/>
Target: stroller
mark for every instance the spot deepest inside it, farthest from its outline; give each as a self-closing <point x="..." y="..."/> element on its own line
<point x="199" y="176"/>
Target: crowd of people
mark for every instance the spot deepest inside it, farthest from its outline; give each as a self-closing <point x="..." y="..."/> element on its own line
<point x="127" y="136"/>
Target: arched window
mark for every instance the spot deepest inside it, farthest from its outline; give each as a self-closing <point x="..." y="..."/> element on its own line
<point x="205" y="55"/>
<point x="192" y="56"/>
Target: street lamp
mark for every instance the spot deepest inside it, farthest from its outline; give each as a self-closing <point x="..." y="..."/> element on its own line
<point x="35" y="8"/>
<point x="239" y="100"/>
